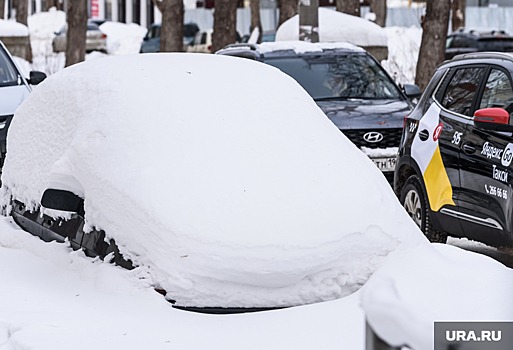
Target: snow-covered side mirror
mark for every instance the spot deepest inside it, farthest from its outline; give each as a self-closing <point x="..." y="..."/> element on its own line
<point x="62" y="200"/>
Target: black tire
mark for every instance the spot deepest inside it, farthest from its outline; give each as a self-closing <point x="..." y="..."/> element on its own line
<point x="414" y="201"/>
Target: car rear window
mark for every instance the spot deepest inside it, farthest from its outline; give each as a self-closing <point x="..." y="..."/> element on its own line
<point x="8" y="72"/>
<point x="338" y="76"/>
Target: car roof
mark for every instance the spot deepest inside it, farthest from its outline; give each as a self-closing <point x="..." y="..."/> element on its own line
<point x="287" y="49"/>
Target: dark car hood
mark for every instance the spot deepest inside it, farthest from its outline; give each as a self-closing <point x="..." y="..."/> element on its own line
<point x="366" y="114"/>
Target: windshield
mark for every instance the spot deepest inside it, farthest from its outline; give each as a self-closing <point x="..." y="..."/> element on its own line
<point x="342" y="76"/>
<point x="8" y="72"/>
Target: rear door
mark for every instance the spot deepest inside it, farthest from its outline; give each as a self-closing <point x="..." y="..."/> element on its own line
<point x="486" y="167"/>
<point x="440" y="132"/>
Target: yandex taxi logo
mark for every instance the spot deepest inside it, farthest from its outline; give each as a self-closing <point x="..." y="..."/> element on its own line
<point x="429" y="159"/>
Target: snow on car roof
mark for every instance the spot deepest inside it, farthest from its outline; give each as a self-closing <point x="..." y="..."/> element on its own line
<point x="336" y="26"/>
<point x="303" y="46"/>
<point x="245" y="195"/>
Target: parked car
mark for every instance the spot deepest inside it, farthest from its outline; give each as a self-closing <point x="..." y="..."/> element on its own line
<point x="151" y="42"/>
<point x="221" y="203"/>
<point x="96" y="40"/>
<point x="351" y="88"/>
<point x="202" y="42"/>
<point x="14" y="88"/>
<point x="455" y="159"/>
<point x="473" y="40"/>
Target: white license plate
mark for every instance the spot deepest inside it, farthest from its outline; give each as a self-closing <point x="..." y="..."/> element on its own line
<point x="385" y="164"/>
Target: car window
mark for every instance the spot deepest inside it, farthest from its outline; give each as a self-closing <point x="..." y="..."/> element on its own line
<point x="496" y="44"/>
<point x="8" y="72"/>
<point x="461" y="90"/>
<point x="339" y="76"/>
<point x="498" y="91"/>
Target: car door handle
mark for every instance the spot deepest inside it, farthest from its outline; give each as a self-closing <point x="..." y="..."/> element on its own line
<point x="469" y="148"/>
<point x="423" y="135"/>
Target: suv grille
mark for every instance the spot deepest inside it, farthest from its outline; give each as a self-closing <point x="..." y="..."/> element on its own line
<point x="391" y="137"/>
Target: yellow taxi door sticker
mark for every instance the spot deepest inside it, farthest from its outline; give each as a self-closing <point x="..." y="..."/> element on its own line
<point x="429" y="159"/>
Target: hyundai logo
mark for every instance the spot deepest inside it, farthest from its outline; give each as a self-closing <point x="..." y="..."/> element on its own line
<point x="373" y="137"/>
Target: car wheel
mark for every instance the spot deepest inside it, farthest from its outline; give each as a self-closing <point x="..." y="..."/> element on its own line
<point x="414" y="201"/>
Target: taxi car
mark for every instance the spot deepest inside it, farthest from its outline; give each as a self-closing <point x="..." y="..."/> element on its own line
<point x="454" y="172"/>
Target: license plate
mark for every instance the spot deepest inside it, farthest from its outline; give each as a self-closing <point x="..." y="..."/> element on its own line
<point x="385" y="164"/>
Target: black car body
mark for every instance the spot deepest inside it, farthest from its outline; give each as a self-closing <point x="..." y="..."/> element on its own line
<point x="454" y="172"/>
<point x="469" y="41"/>
<point x="350" y="87"/>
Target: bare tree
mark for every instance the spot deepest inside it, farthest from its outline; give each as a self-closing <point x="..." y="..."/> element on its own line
<point x="458" y="14"/>
<point x="48" y="4"/>
<point x="21" y="9"/>
<point x="379" y="7"/>
<point x="287" y="9"/>
<point x="254" y="6"/>
<point x="76" y="18"/>
<point x="434" y="34"/>
<point x="225" y="19"/>
<point x="2" y="7"/>
<point x="351" y="7"/>
<point x="171" y="30"/>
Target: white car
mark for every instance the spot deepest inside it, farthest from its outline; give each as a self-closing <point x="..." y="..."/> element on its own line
<point x="14" y="88"/>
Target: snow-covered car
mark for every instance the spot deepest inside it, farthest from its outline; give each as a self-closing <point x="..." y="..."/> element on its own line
<point x="226" y="204"/>
<point x="14" y="88"/>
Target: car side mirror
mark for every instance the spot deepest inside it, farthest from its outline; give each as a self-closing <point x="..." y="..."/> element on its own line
<point x="36" y="77"/>
<point x="494" y="119"/>
<point x="412" y="90"/>
<point x="62" y="200"/>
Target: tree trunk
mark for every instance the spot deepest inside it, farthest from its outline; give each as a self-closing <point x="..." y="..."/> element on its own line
<point x="21" y="8"/>
<point x="434" y="34"/>
<point x="171" y="30"/>
<point x="351" y="7"/>
<point x="225" y="17"/>
<point x="287" y="9"/>
<point x="76" y="18"/>
<point x="458" y="14"/>
<point x="2" y="8"/>
<point x="379" y="8"/>
<point x="48" y="4"/>
<point x="255" y="18"/>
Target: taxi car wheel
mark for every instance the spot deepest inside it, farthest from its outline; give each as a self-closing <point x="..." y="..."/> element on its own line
<point x="416" y="205"/>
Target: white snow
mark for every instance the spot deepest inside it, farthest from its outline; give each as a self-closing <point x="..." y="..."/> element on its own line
<point x="228" y="206"/>
<point x="380" y="152"/>
<point x="123" y="38"/>
<point x="336" y="26"/>
<point x="435" y="283"/>
<point x="303" y="46"/>
<point x="12" y="28"/>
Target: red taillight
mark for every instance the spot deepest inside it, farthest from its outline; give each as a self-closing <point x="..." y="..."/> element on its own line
<point x="404" y="121"/>
<point x="104" y="36"/>
<point x="209" y="48"/>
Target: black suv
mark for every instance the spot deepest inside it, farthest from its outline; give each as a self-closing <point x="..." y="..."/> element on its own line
<point x="455" y="158"/>
<point x="350" y="87"/>
<point x="469" y="41"/>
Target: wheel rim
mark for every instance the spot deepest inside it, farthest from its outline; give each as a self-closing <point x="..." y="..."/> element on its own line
<point x="413" y="206"/>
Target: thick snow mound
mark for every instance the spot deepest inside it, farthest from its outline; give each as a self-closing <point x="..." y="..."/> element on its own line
<point x="415" y="288"/>
<point x="123" y="38"/>
<point x="12" y="28"/>
<point x="247" y="197"/>
<point x="336" y="26"/>
<point x="304" y="46"/>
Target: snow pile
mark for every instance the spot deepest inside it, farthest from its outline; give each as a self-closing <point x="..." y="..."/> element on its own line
<point x="123" y="38"/>
<point x="404" y="298"/>
<point x="101" y="304"/>
<point x="12" y="28"/>
<point x="229" y="203"/>
<point x="336" y="26"/>
<point x="43" y="26"/>
<point x="403" y="53"/>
